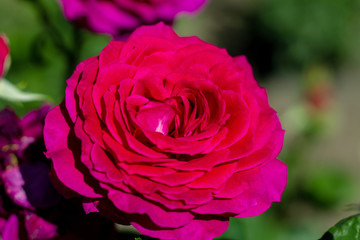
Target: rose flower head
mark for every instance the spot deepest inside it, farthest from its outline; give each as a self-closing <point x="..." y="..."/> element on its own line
<point x="120" y="17"/>
<point x="4" y="54"/>
<point x="169" y="134"/>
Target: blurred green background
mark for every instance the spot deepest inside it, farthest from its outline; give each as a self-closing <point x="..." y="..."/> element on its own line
<point x="305" y="52"/>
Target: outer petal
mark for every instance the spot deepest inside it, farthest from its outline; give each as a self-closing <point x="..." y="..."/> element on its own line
<point x="201" y="229"/>
<point x="33" y="122"/>
<point x="119" y="17"/>
<point x="259" y="187"/>
<point x="130" y="203"/>
<point x="159" y="30"/>
<point x="56" y="134"/>
<point x="274" y="176"/>
<point x="38" y="228"/>
<point x="11" y="230"/>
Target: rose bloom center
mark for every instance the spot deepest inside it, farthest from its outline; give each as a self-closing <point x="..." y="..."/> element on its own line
<point x="187" y="112"/>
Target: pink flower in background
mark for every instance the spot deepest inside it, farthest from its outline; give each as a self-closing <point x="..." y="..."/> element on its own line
<point x="30" y="207"/>
<point x="169" y="134"/>
<point x="120" y="17"/>
<point x="4" y="54"/>
<point x="25" y="184"/>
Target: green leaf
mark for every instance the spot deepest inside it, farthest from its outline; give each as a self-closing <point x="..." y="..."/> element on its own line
<point x="11" y="93"/>
<point x="346" y="229"/>
<point x="138" y="238"/>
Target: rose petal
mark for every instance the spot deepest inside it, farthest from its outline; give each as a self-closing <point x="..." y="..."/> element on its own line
<point x="130" y="203"/>
<point x="11" y="230"/>
<point x="192" y="197"/>
<point x="72" y="83"/>
<point x="178" y="178"/>
<point x="265" y="185"/>
<point x="203" y="163"/>
<point x="274" y="176"/>
<point x="33" y="122"/>
<point x="110" y="53"/>
<point x="239" y="120"/>
<point x="201" y="229"/>
<point x="56" y="133"/>
<point x="38" y="228"/>
<point x="90" y="207"/>
<point x="110" y="75"/>
<point x="214" y="178"/>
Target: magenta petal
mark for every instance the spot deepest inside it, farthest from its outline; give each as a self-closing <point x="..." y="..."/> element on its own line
<point x="56" y="133"/>
<point x="192" y="197"/>
<point x="90" y="207"/>
<point x="191" y="5"/>
<point x="259" y="188"/>
<point x="155" y="117"/>
<point x="274" y="175"/>
<point x="110" y="52"/>
<point x="249" y="80"/>
<point x="203" y="163"/>
<point x="70" y="93"/>
<point x="3" y="222"/>
<point x="130" y="203"/>
<point x="4" y="54"/>
<point x="159" y="30"/>
<point x="178" y="178"/>
<point x="227" y="207"/>
<point x="268" y="152"/>
<point x="239" y="120"/>
<point x="73" y="9"/>
<point x="119" y="152"/>
<point x="169" y="203"/>
<point x="134" y="143"/>
<point x="110" y="75"/>
<point x="178" y="145"/>
<point x="145" y="170"/>
<point x="38" y="228"/>
<point x="235" y="185"/>
<point x="11" y="230"/>
<point x="142" y="184"/>
<point x="214" y="178"/>
<point x="33" y="122"/>
<point x="101" y="163"/>
<point x="198" y="229"/>
<point x="104" y="17"/>
<point x="14" y="183"/>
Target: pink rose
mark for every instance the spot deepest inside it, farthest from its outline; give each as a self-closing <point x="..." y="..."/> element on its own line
<point x="120" y="17"/>
<point x="169" y="134"/>
<point x="4" y="54"/>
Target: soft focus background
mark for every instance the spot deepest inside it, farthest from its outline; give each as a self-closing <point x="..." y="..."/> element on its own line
<point x="305" y="52"/>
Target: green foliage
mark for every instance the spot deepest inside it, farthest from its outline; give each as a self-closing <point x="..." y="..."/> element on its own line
<point x="346" y="229"/>
<point x="328" y="186"/>
<point x="311" y="31"/>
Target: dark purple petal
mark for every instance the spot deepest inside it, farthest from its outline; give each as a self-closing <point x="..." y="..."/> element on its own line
<point x="10" y="127"/>
<point x="39" y="190"/>
<point x="33" y="122"/>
